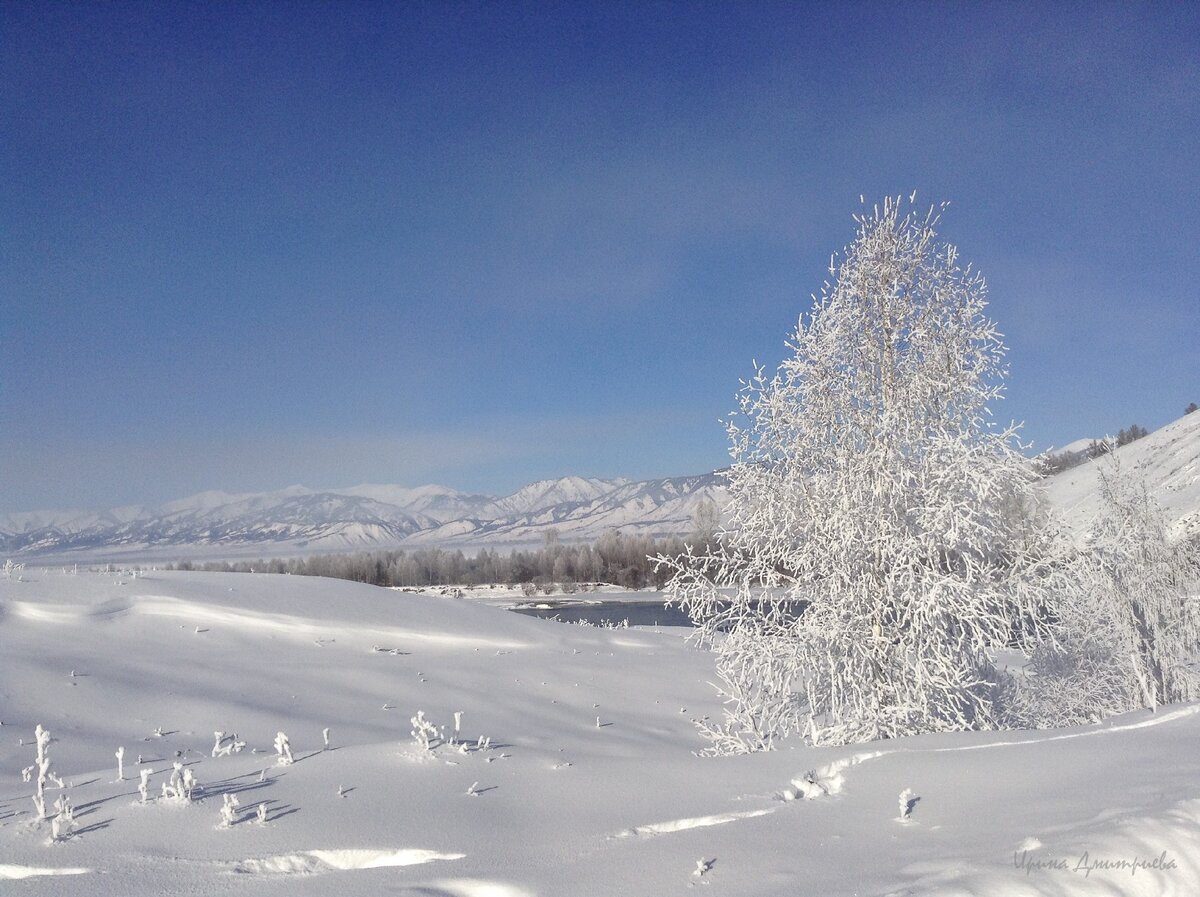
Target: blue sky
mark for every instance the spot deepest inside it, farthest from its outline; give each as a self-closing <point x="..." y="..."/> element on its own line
<point x="246" y="246"/>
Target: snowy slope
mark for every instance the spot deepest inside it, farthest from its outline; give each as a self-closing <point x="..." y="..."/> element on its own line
<point x="588" y="786"/>
<point x="1167" y="460"/>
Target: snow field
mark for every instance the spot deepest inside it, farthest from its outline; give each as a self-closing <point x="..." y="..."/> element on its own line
<point x="560" y="807"/>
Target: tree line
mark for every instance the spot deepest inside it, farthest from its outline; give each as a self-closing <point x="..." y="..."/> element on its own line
<point x="616" y="558"/>
<point x="1056" y="462"/>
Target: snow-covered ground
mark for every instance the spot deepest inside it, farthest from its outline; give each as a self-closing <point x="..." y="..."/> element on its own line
<point x="1167" y="461"/>
<point x="588" y="786"/>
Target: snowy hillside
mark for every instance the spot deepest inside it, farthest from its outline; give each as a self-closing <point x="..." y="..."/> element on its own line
<point x="573" y="773"/>
<point x="1167" y="460"/>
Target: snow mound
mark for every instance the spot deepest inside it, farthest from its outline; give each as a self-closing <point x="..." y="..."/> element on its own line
<point x="681" y="825"/>
<point x="316" y="862"/>
<point x="474" y="887"/>
<point x="10" y="871"/>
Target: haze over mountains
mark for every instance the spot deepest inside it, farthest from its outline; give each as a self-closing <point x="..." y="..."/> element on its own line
<point x="298" y="520"/>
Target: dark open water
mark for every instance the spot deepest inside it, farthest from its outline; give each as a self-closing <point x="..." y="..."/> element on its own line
<point x="638" y="613"/>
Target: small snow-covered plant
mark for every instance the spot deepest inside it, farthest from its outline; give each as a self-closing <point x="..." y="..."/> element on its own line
<point x="284" y="749"/>
<point x="425" y="733"/>
<point x="808" y="786"/>
<point x="189" y="783"/>
<point x="325" y="738"/>
<point x="261" y="813"/>
<point x="42" y="737"/>
<point x="63" y="823"/>
<point x="229" y="805"/>
<point x="121" y="764"/>
<point x="42" y="764"/>
<point x="224" y="745"/>
<point x="908" y="800"/>
<point x="473" y="791"/>
<point x="457" y="726"/>
<point x="703" y="866"/>
<point x="181" y="785"/>
<point x="144" y="783"/>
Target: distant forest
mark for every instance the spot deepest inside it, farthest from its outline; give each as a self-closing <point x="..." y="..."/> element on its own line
<point x="614" y="558"/>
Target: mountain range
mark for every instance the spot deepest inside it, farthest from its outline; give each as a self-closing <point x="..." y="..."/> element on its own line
<point x="298" y="520"/>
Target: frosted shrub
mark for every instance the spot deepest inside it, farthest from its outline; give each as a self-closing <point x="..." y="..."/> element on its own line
<point x="120" y="764"/>
<point x="284" y="749"/>
<point x="42" y="767"/>
<point x="181" y="786"/>
<point x="908" y="800"/>
<point x="189" y="784"/>
<point x="229" y="805"/>
<point x="881" y="536"/>
<point x="144" y="783"/>
<point x="225" y="745"/>
<point x="425" y="733"/>
<point x="261" y="814"/>
<point x="63" y="823"/>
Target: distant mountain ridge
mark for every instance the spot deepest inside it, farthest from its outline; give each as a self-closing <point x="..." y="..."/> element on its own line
<point x="298" y="520"/>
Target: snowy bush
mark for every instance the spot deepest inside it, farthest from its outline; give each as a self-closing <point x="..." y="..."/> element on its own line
<point x="63" y="823"/>
<point x="881" y="536"/>
<point x="284" y="749"/>
<point x="225" y="745"/>
<point x="229" y="806"/>
<point x="181" y="785"/>
<point x="1128" y="633"/>
<point x="425" y="733"/>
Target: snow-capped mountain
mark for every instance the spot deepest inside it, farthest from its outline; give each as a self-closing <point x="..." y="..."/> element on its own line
<point x="300" y="520"/>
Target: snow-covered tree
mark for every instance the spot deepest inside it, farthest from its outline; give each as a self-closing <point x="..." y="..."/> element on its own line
<point x="878" y="541"/>
<point x="1127" y="628"/>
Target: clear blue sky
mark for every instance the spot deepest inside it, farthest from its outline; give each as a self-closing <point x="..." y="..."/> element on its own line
<point x="249" y="245"/>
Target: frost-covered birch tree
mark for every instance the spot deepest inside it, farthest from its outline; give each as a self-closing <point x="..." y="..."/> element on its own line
<point x="1127" y="619"/>
<point x="1142" y="582"/>
<point x="877" y="543"/>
